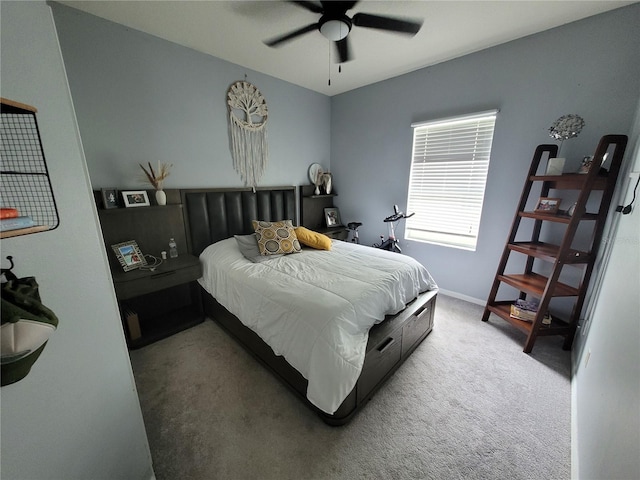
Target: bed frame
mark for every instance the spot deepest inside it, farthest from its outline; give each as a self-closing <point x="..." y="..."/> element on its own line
<point x="215" y="214"/>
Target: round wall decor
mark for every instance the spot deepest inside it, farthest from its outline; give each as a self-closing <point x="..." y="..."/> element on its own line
<point x="248" y="131"/>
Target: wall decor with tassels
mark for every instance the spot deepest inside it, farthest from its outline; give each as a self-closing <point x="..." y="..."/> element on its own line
<point x="248" y="131"/>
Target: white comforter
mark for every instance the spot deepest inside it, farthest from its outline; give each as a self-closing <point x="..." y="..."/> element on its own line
<point x="316" y="307"/>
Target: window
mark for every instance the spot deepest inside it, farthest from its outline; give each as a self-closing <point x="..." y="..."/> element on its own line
<point x="449" y="166"/>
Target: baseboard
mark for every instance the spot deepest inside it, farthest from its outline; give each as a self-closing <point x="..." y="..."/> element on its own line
<point x="461" y="296"/>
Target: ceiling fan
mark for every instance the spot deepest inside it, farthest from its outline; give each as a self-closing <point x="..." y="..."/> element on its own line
<point x="335" y="25"/>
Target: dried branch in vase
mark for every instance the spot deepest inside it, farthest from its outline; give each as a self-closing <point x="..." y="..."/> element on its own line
<point x="156" y="178"/>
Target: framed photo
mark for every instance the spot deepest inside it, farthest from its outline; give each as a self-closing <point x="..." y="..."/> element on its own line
<point x="109" y="198"/>
<point x="136" y="198"/>
<point x="555" y="166"/>
<point x="548" y="205"/>
<point x="332" y="217"/>
<point x="585" y="165"/>
<point x="129" y="255"/>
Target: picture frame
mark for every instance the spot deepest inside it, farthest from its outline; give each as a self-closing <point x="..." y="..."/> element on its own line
<point x="585" y="165"/>
<point x="332" y="217"/>
<point x="135" y="198"/>
<point x="555" y="166"/>
<point x="129" y="255"/>
<point x="109" y="198"/>
<point x="548" y="205"/>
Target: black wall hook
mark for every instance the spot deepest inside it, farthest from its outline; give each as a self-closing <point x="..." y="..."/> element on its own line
<point x="8" y="274"/>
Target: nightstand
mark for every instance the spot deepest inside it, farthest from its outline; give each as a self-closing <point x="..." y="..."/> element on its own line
<point x="312" y="213"/>
<point x="157" y="304"/>
<point x="335" y="233"/>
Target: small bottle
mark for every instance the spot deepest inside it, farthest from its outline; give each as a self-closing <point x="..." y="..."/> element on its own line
<point x="173" y="248"/>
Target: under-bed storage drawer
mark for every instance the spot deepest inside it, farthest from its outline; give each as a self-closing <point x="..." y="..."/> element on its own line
<point x="379" y="363"/>
<point x="416" y="328"/>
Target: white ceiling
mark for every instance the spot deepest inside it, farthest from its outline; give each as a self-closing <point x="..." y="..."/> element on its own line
<point x="235" y="31"/>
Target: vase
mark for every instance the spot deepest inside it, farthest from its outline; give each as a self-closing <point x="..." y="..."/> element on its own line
<point x="317" y="190"/>
<point x="161" y="197"/>
<point x="327" y="183"/>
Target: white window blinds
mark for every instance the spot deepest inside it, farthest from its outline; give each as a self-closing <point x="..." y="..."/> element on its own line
<point x="449" y="166"/>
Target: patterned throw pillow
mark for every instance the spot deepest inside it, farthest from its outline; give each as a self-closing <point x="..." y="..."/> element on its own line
<point x="276" y="237"/>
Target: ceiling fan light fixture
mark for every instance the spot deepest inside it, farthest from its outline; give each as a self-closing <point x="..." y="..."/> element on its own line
<point x="335" y="30"/>
<point x="335" y="25"/>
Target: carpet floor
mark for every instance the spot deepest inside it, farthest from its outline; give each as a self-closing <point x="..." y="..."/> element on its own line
<point x="468" y="404"/>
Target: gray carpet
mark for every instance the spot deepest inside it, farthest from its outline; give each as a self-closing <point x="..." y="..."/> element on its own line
<point x="467" y="404"/>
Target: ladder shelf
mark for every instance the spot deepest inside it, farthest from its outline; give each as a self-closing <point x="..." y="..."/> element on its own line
<point x="543" y="287"/>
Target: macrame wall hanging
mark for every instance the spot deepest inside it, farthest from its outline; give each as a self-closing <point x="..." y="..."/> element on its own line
<point x="248" y="131"/>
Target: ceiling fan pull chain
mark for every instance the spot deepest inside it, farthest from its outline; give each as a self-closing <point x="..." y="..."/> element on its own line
<point x="329" y="65"/>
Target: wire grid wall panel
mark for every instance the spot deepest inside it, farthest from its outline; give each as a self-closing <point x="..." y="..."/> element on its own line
<point x="25" y="183"/>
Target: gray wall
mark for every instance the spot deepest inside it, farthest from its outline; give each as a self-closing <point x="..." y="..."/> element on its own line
<point x="606" y="383"/>
<point x="139" y="98"/>
<point x="76" y="415"/>
<point x="591" y="68"/>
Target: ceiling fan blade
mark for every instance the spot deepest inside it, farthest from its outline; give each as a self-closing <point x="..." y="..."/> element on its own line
<point x="312" y="7"/>
<point x="344" y="51"/>
<point x="387" y="23"/>
<point x="274" y="42"/>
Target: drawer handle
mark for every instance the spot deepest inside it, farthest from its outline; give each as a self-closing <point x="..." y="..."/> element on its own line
<point x="387" y="343"/>
<point x="163" y="274"/>
<point x="420" y="311"/>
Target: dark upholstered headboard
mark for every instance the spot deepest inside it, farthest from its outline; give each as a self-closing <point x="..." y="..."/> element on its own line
<point x="218" y="213"/>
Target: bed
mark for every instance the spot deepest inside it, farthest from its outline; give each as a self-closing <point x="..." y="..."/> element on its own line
<point x="354" y="328"/>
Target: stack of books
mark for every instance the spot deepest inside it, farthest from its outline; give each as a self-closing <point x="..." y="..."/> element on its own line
<point x="10" y="219"/>
<point x="527" y="310"/>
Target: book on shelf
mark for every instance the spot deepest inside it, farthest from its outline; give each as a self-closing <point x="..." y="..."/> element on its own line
<point x="16" y="223"/>
<point x="8" y="213"/>
<point x="526" y="310"/>
<point x="133" y="323"/>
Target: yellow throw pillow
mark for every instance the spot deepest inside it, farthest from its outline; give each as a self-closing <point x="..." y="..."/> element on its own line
<point x="276" y="237"/>
<point x="313" y="239"/>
